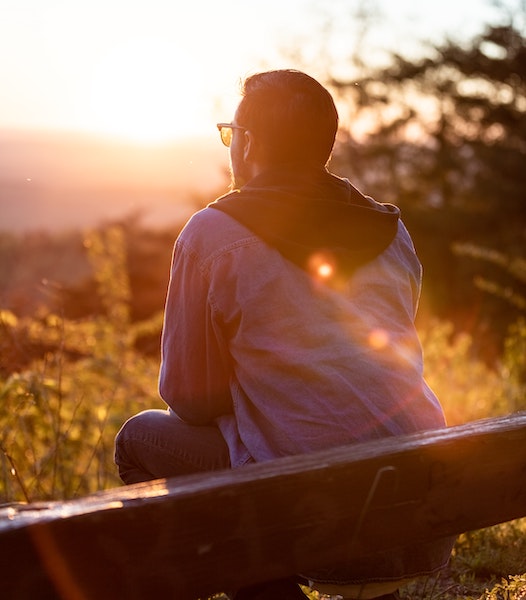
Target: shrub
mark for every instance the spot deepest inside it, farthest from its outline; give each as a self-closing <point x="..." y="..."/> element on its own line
<point x="62" y="413"/>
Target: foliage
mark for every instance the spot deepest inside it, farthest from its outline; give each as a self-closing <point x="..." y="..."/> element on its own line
<point x="512" y="588"/>
<point x="444" y="137"/>
<point x="467" y="387"/>
<point x="514" y="362"/>
<point x="500" y="550"/>
<point x="512" y="266"/>
<point x="61" y="414"/>
<point x="446" y="130"/>
<point x="62" y="411"/>
<point x="442" y="134"/>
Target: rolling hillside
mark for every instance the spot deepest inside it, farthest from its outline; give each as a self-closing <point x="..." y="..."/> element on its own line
<point x="56" y="181"/>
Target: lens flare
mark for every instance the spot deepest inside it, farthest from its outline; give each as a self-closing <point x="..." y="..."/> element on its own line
<point x="321" y="265"/>
<point x="378" y="339"/>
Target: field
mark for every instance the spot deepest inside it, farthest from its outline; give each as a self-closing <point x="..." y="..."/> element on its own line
<point x="67" y="383"/>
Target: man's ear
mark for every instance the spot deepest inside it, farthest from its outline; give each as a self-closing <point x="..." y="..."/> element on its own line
<point x="250" y="147"/>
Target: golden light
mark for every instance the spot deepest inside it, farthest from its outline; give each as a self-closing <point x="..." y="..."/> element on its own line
<point x="321" y="265"/>
<point x="378" y="339"/>
<point x="325" y="270"/>
<point x="146" y="91"/>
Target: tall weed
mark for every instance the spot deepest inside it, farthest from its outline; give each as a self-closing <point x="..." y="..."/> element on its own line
<point x="60" y="415"/>
<point x="466" y="386"/>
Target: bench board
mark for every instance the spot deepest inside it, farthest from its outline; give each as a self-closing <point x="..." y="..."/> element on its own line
<point x="191" y="536"/>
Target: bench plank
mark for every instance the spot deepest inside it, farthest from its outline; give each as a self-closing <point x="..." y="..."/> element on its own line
<point x="191" y="536"/>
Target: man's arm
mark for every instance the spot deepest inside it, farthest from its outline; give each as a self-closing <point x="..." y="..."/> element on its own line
<point x="194" y="376"/>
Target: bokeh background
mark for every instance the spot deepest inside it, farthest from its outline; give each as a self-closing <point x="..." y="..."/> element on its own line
<point x="108" y="144"/>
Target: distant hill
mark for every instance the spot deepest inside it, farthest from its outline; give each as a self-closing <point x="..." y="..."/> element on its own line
<point x="55" y="181"/>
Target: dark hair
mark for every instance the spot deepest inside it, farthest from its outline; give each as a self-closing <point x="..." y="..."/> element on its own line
<point x="291" y="114"/>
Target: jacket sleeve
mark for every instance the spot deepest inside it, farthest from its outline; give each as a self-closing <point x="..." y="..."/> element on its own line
<point x="194" y="375"/>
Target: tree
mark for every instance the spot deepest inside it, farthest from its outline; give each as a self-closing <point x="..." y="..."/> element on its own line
<point x="446" y="140"/>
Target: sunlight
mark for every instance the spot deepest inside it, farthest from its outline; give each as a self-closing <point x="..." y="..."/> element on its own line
<point x="378" y="339"/>
<point x="147" y="91"/>
<point x="325" y="270"/>
<point x="321" y="265"/>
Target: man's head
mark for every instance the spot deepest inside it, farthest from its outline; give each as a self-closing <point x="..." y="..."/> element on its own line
<point x="286" y="118"/>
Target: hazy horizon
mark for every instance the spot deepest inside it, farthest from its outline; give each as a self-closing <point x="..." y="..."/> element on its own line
<point x="62" y="180"/>
<point x="81" y="79"/>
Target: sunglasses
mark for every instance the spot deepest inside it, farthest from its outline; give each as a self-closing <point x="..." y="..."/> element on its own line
<point x="226" y="131"/>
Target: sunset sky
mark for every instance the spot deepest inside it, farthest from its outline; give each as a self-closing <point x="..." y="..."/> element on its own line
<point x="154" y="70"/>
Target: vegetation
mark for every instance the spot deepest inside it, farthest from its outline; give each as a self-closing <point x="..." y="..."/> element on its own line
<point x="79" y="350"/>
<point x="442" y="134"/>
<point x="87" y="375"/>
<point x="62" y="411"/>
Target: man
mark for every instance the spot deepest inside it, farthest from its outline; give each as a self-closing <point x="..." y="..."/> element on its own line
<point x="289" y="319"/>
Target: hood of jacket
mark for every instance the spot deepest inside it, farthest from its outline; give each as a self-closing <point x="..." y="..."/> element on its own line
<point x="306" y="213"/>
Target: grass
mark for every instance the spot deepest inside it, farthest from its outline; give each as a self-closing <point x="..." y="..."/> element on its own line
<point x="62" y="411"/>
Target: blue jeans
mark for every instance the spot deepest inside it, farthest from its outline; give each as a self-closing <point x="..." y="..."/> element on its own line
<point x="157" y="443"/>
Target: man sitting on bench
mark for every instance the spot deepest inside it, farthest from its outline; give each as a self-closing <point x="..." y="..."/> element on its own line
<point x="289" y="322"/>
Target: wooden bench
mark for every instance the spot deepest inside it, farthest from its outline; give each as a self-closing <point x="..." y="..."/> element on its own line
<point x="192" y="536"/>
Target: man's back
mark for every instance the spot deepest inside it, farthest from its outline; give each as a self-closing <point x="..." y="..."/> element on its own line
<point x="308" y="366"/>
<point x="289" y="319"/>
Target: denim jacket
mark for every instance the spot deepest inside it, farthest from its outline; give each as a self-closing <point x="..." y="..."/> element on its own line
<point x="288" y="359"/>
<point x="283" y="361"/>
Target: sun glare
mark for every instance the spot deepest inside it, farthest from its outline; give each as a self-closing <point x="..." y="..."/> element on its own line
<point x="145" y="92"/>
<point x="321" y="265"/>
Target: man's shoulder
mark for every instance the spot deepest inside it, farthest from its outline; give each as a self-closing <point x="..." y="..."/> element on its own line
<point x="210" y="230"/>
<point x="209" y="221"/>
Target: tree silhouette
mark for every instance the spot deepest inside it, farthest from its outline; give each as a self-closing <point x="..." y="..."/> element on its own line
<point x="446" y="140"/>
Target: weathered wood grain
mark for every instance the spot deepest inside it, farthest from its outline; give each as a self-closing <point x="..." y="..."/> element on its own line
<point x="188" y="537"/>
